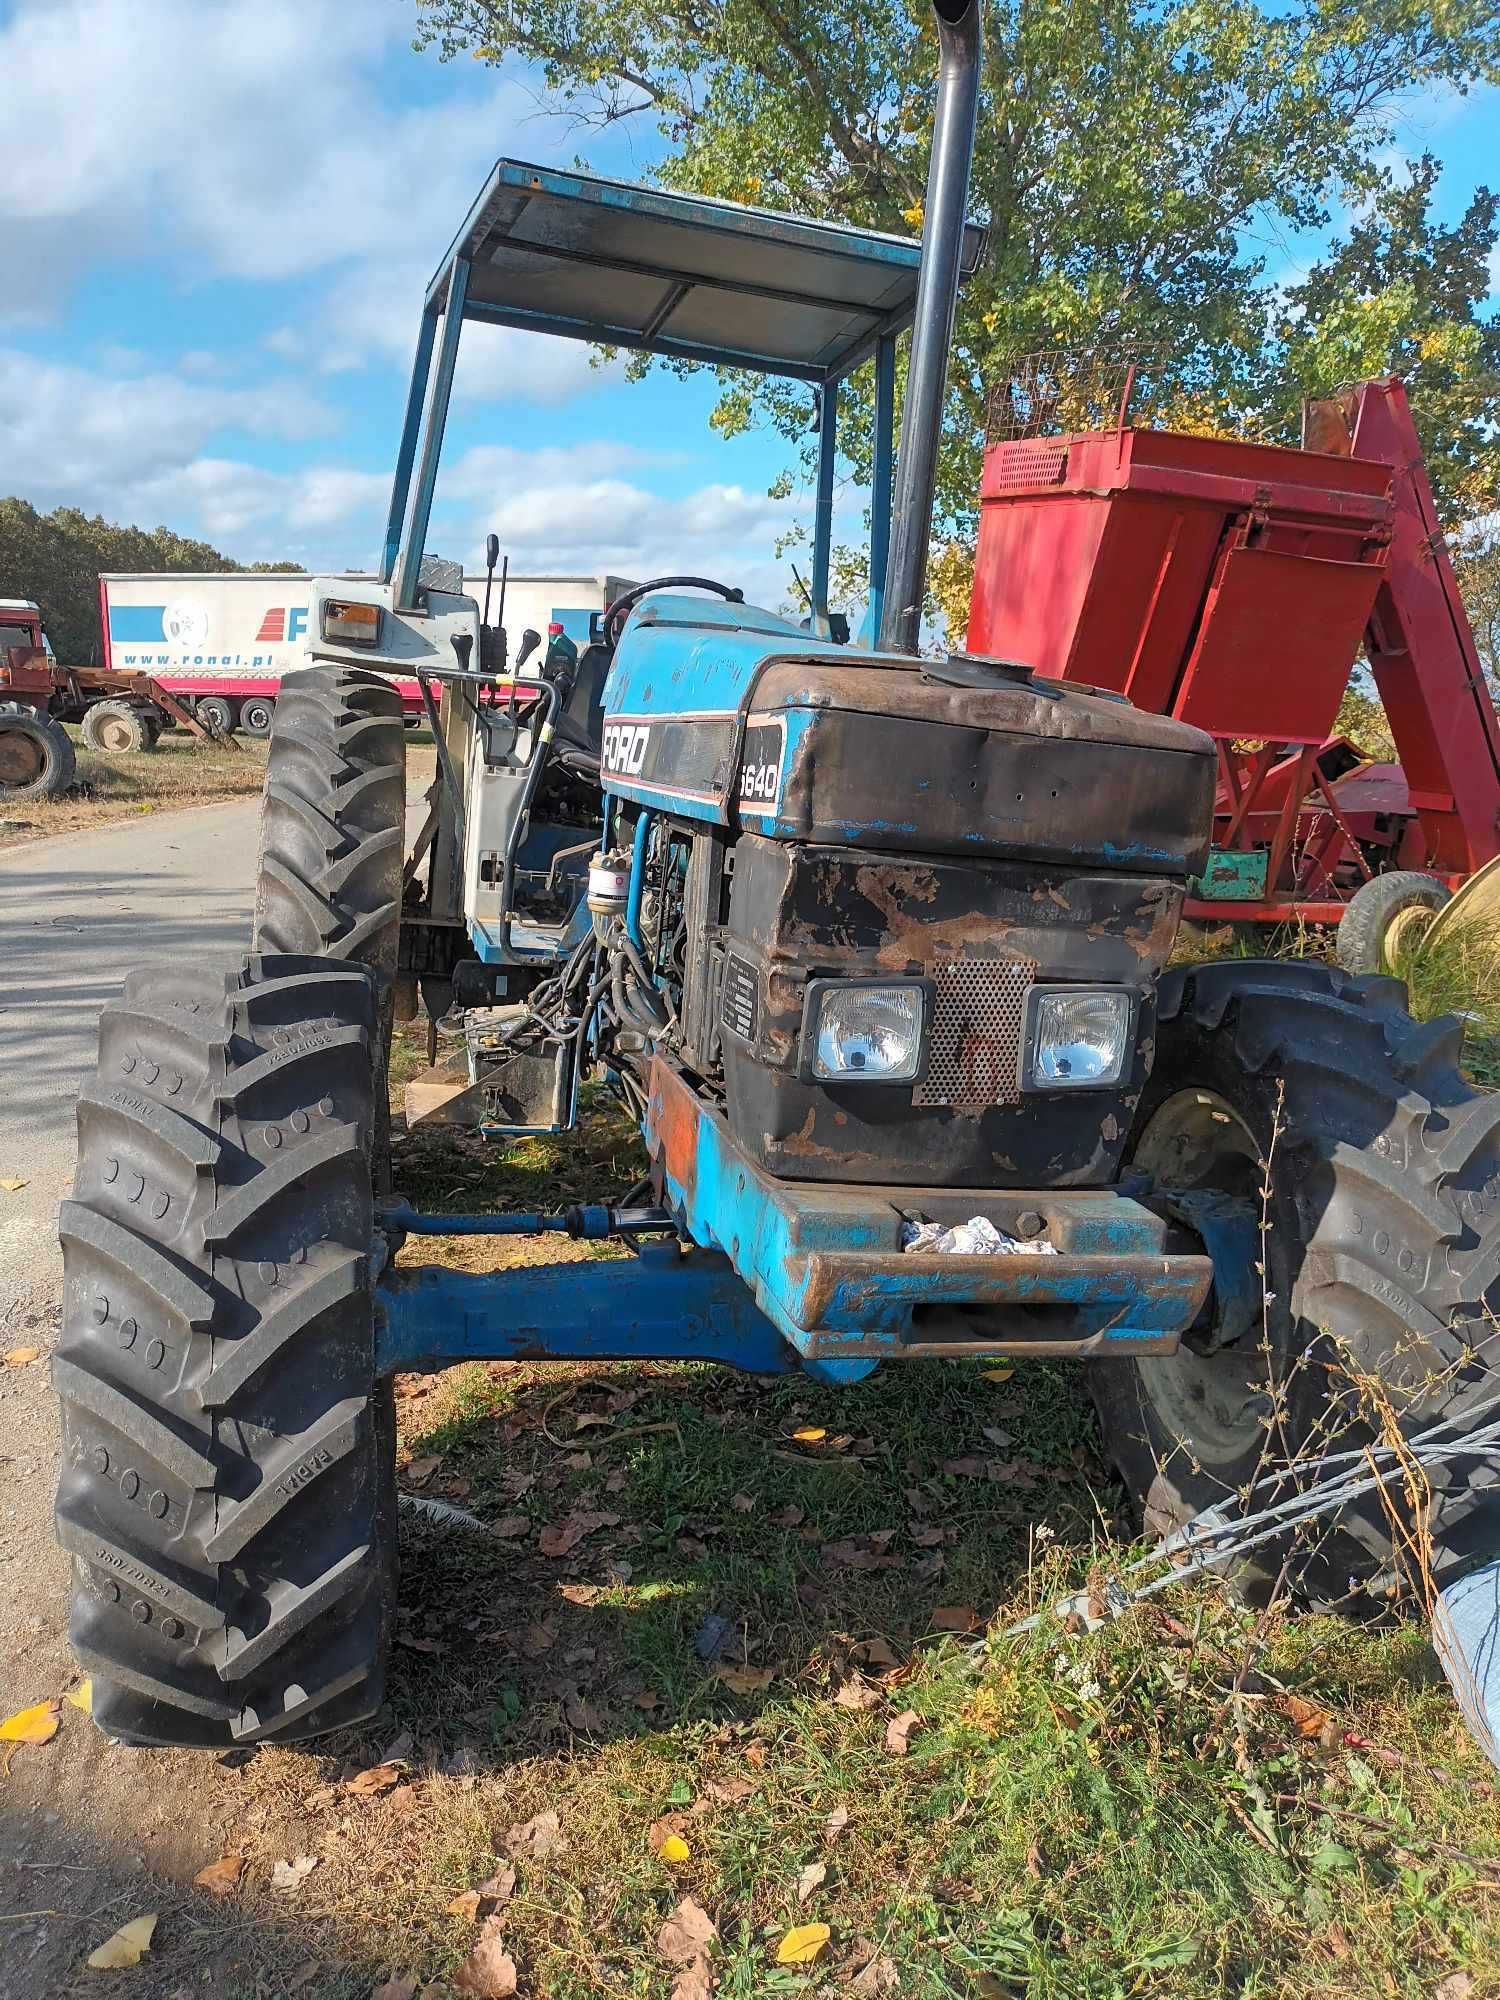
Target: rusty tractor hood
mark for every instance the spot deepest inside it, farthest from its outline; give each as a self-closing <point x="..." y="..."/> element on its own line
<point x="732" y="715"/>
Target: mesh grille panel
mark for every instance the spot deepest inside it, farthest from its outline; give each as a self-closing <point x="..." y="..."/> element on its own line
<point x="1031" y="462"/>
<point x="974" y="1045"/>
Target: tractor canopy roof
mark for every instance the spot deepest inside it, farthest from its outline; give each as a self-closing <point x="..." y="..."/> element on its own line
<point x="680" y="274"/>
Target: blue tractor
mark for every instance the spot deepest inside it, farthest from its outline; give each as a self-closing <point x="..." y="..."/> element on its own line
<point x="873" y="942"/>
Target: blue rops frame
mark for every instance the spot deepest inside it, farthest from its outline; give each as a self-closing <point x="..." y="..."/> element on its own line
<point x="672" y="274"/>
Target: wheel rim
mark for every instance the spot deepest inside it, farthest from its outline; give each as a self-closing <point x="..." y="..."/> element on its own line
<point x="1213" y="1402"/>
<point x="22" y="758"/>
<point x="1405" y="934"/>
<point x="115" y="733"/>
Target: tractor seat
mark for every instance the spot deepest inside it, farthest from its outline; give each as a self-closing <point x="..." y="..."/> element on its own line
<point x="579" y="732"/>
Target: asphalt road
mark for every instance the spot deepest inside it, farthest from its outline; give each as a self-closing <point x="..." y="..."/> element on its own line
<point x="76" y="914"/>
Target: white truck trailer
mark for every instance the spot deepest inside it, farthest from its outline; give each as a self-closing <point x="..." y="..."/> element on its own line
<point x="221" y="643"/>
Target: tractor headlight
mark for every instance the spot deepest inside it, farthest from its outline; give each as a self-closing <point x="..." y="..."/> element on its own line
<point x="1076" y="1036"/>
<point x="857" y="1033"/>
<point x="349" y="624"/>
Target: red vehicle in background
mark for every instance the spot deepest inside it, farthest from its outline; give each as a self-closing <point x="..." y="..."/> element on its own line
<point x="1233" y="586"/>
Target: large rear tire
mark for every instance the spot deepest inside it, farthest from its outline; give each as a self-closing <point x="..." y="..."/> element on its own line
<point x="227" y="1485"/>
<point x="36" y="757"/>
<point x="1382" y="1270"/>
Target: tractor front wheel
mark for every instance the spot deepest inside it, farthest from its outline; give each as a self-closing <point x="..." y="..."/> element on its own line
<point x="1314" y="1099"/>
<point x="37" y="760"/>
<point x="227" y="1486"/>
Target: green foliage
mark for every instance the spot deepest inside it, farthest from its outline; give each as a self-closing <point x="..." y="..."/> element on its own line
<point x="1131" y="155"/>
<point x="58" y="558"/>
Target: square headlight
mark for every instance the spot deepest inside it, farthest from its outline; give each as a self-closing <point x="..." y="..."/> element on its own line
<point x="349" y="624"/>
<point x="853" y="1032"/>
<point x="1076" y="1037"/>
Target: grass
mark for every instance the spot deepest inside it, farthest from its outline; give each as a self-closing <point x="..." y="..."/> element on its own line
<point x="181" y="771"/>
<point x="764" y="1576"/>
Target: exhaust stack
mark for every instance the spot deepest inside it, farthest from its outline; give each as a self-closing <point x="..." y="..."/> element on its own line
<point x="960" y="39"/>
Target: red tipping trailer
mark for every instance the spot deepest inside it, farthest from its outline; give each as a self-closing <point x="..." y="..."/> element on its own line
<point x="1232" y="585"/>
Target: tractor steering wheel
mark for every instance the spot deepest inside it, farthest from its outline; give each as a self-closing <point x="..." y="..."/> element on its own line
<point x="616" y="613"/>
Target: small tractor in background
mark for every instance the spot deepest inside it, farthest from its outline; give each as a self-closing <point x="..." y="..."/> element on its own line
<point x="118" y="711"/>
<point x="874" y="946"/>
<point x="36" y="752"/>
<point x="1233" y="586"/>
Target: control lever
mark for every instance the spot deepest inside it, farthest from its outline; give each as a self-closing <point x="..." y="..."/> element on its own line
<point x="530" y="640"/>
<point x="463" y="647"/>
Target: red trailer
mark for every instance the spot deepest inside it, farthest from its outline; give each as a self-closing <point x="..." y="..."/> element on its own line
<point x="1233" y="585"/>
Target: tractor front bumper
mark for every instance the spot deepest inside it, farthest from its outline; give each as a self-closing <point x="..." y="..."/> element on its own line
<point x="782" y="1275"/>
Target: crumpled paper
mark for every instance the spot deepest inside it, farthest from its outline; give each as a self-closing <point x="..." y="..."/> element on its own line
<point x="978" y="1237"/>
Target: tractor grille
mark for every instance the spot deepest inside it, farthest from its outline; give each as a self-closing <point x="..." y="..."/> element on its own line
<point x="974" y="1044"/>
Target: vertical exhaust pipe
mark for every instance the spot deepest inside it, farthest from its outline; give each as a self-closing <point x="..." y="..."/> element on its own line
<point x="959" y="39"/>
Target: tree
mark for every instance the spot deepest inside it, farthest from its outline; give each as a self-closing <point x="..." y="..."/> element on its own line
<point x="58" y="558"/>
<point x="1132" y="156"/>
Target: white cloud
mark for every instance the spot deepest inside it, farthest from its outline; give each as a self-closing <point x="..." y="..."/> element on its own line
<point x="72" y="435"/>
<point x="253" y="135"/>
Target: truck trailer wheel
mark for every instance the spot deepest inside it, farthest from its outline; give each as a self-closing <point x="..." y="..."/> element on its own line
<point x="117" y="727"/>
<point x="36" y="756"/>
<point x="227" y="1487"/>
<point x="1384" y="917"/>
<point x="256" y="715"/>
<point x="217" y="713"/>
<point x="1381" y="1253"/>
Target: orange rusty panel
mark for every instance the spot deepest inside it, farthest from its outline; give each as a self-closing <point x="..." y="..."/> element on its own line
<point x="1279" y="635"/>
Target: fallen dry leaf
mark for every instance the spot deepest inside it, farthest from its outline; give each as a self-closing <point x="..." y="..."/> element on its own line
<point x="581" y="1593"/>
<point x="221" y="1877"/>
<point x="37" y="1724"/>
<point x="955" y="1618"/>
<point x="587" y="1418"/>
<point x="379" y="1778"/>
<point x="511" y="1525"/>
<point x="900" y="1730"/>
<point x="81" y="1697"/>
<point x="876" y="1978"/>
<point x="743" y="1680"/>
<point x="694" y="1982"/>
<point x="927" y="1538"/>
<point x="18" y="1357"/>
<point x="857" y="1693"/>
<point x="12" y="1185"/>
<point x="561" y="1538"/>
<point x="419" y="1470"/>
<point x="877" y="1653"/>
<point x="687" y="1933"/>
<point x="742" y="1503"/>
<point x="535" y="1840"/>
<point x="811" y="1878"/>
<point x="394" y="1989"/>
<point x="998" y="1374"/>
<point x="489" y="1970"/>
<point x="834" y="1825"/>
<point x="804" y="1944"/>
<point x="645" y="1700"/>
<point x="812" y="1435"/>
<point x="1311" y="1720"/>
<point x="664" y="1829"/>
<point x="126" y="1946"/>
<point x="674" y="1849"/>
<point x="729" y="1791"/>
<point x="1457" y="1986"/>
<point x="290" y="1875"/>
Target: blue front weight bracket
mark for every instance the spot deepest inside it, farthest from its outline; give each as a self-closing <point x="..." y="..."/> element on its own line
<point x="797" y="1274"/>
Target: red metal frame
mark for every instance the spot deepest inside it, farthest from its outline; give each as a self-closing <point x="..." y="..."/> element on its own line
<point x="1233" y="585"/>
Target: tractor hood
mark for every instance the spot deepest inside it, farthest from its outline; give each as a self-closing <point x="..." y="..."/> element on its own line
<point x="729" y="714"/>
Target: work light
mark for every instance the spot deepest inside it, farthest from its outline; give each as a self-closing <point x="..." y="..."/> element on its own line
<point x="858" y="1032"/>
<point x="1075" y="1036"/>
<point x="351" y="624"/>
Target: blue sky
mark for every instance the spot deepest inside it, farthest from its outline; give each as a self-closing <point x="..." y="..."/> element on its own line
<point x="217" y="218"/>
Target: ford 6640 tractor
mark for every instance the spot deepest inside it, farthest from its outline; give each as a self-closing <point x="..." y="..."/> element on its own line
<point x="872" y="943"/>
